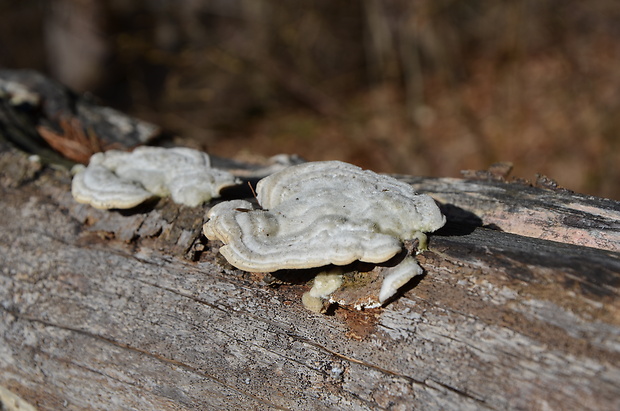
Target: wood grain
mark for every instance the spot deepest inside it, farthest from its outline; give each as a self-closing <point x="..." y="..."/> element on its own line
<point x="132" y="310"/>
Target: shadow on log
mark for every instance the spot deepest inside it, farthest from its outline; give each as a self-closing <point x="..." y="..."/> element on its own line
<point x="110" y="310"/>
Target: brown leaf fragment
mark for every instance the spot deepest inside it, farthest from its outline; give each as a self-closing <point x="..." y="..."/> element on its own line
<point x="74" y="143"/>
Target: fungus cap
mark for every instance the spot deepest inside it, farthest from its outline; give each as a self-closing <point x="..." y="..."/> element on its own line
<point x="321" y="213"/>
<point x="398" y="276"/>
<point x="184" y="174"/>
<point x="101" y="188"/>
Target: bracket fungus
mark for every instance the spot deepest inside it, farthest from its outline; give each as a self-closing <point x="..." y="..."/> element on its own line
<point x="118" y="179"/>
<point x="321" y="213"/>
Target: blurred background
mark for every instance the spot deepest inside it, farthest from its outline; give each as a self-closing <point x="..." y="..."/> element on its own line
<point x="422" y="87"/>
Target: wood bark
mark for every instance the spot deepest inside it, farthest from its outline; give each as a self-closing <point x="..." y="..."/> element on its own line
<point x="136" y="310"/>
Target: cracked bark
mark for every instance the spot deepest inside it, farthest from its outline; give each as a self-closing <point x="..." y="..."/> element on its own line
<point x="126" y="310"/>
<point x="96" y="315"/>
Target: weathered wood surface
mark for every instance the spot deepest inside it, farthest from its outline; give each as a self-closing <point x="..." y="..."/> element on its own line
<point x="135" y="310"/>
<point x="111" y="310"/>
<point x="557" y="215"/>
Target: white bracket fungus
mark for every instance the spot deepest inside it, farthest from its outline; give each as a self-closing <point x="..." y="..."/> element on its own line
<point x="321" y="213"/>
<point x="118" y="179"/>
<point x="398" y="276"/>
<point x="369" y="289"/>
<point x="323" y="285"/>
<point x="372" y="289"/>
<point x="101" y="188"/>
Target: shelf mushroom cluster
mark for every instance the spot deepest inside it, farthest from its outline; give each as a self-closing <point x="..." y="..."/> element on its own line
<point x="313" y="215"/>
<point x="321" y="213"/>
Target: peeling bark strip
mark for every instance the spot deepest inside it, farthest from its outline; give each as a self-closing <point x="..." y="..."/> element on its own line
<point x="107" y="310"/>
<point x="528" y="211"/>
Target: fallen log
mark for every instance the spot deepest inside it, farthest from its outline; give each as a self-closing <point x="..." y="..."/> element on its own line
<point x="136" y="310"/>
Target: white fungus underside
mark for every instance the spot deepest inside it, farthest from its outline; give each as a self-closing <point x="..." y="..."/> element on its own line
<point x="318" y="214"/>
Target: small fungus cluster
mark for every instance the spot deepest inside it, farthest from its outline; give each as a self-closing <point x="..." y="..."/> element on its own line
<point x="118" y="179"/>
<point x="321" y="213"/>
